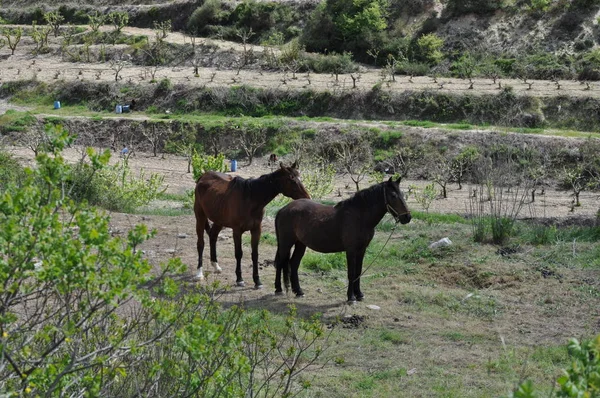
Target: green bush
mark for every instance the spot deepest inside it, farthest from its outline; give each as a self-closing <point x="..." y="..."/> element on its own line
<point x="331" y="63"/>
<point x="580" y="379"/>
<point x="114" y="187"/>
<point x="207" y="14"/>
<point x="346" y="25"/>
<point x="201" y="163"/>
<point x="11" y="172"/>
<point x="429" y="49"/>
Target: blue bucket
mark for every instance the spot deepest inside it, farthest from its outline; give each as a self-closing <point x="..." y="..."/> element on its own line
<point x="125" y="108"/>
<point x="233" y="165"/>
<point x="119" y="109"/>
<point x="56" y="104"/>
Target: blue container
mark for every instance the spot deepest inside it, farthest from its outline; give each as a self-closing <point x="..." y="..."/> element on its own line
<point x="119" y="109"/>
<point x="56" y="104"/>
<point x="125" y="108"/>
<point x="233" y="165"/>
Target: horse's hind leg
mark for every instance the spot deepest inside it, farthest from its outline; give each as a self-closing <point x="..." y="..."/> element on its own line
<point x="237" y="243"/>
<point x="213" y="235"/>
<point x="294" y="265"/>
<point x="200" y="226"/>
<point x="282" y="259"/>
<point x="278" y="290"/>
<point x="254" y="241"/>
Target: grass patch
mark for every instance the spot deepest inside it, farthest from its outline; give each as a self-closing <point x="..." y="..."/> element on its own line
<point x="323" y="262"/>
<point x="459" y="126"/>
<point x="420" y="123"/>
<point x="393" y="336"/>
<point x="14" y="121"/>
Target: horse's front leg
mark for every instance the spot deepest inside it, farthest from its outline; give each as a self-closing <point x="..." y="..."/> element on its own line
<point x="360" y="255"/>
<point x="352" y="275"/>
<point x="237" y="244"/>
<point x="254" y="241"/>
<point x="213" y="235"/>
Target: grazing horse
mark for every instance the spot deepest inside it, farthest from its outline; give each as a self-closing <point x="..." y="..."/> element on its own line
<point x="347" y="227"/>
<point x="239" y="204"/>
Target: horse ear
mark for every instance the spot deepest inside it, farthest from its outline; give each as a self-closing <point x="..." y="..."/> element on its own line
<point x="281" y="165"/>
<point x="399" y="179"/>
<point x="391" y="179"/>
<point x="295" y="165"/>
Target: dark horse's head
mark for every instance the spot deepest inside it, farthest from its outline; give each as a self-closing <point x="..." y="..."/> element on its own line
<point x="288" y="179"/>
<point x="394" y="201"/>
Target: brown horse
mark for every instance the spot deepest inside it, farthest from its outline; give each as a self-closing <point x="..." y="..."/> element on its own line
<point x="239" y="204"/>
<point x="347" y="227"/>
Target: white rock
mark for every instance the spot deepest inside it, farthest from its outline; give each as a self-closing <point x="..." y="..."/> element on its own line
<point x="441" y="243"/>
<point x="373" y="307"/>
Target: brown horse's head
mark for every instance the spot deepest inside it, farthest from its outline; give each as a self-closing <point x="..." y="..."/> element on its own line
<point x="394" y="201"/>
<point x="289" y="181"/>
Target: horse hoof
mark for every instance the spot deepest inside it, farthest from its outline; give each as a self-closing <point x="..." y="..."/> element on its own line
<point x="216" y="267"/>
<point x="279" y="293"/>
<point x="240" y="283"/>
<point x="199" y="276"/>
<point x="301" y="294"/>
<point x="258" y="287"/>
<point x="361" y="297"/>
<point x="351" y="302"/>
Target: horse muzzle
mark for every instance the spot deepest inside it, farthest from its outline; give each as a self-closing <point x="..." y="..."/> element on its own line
<point x="403" y="218"/>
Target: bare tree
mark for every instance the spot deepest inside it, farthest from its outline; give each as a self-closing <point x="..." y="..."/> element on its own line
<point x="251" y="139"/>
<point x="117" y="63"/>
<point x="461" y="164"/>
<point x="155" y="134"/>
<point x="248" y="53"/>
<point x="441" y="172"/>
<point x="355" y="158"/>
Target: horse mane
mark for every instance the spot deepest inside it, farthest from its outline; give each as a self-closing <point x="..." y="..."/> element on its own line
<point x="248" y="185"/>
<point x="363" y="198"/>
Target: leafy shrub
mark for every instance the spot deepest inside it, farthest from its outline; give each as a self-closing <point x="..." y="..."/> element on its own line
<point x="331" y="63"/>
<point x="318" y="179"/>
<point x="201" y="163"/>
<point x="11" y="171"/>
<point x="207" y="14"/>
<point x="580" y="379"/>
<point x="429" y="48"/>
<point x="114" y="187"/>
<point x="262" y="16"/>
<point x="346" y="25"/>
<point x="413" y="68"/>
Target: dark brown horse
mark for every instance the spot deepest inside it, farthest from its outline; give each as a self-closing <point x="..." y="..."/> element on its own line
<point x="347" y="227"/>
<point x="239" y="204"/>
